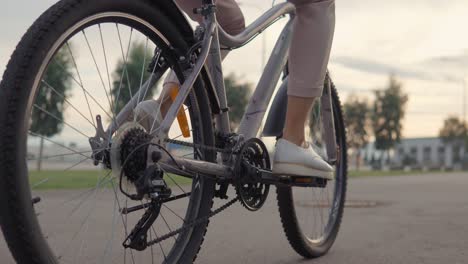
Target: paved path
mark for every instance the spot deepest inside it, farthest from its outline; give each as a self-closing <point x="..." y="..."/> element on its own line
<point x="418" y="219"/>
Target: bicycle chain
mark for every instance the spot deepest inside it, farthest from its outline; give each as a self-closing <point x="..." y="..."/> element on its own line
<point x="196" y="222"/>
<point x="205" y="218"/>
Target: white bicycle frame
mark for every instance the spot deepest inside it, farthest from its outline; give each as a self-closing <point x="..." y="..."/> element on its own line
<point x="214" y="38"/>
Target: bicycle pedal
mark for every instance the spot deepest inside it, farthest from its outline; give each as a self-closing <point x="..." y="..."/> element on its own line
<point x="292" y="180"/>
<point x="307" y="181"/>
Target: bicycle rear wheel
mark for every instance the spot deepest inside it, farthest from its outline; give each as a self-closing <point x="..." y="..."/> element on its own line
<point x="311" y="217"/>
<point x="61" y="77"/>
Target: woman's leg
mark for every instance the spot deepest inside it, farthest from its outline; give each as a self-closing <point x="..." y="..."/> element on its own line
<point x="309" y="55"/>
<point x="308" y="59"/>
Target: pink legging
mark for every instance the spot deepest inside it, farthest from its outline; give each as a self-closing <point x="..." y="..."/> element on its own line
<point x="311" y="42"/>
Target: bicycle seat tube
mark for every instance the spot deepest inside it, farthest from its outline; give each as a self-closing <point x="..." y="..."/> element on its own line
<point x="216" y="72"/>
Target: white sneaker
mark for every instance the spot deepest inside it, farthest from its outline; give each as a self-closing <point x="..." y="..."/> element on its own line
<point x="293" y="160"/>
<point x="148" y="114"/>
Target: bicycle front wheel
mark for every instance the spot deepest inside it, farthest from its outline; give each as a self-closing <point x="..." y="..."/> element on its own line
<point x="80" y="60"/>
<point x="311" y="217"/>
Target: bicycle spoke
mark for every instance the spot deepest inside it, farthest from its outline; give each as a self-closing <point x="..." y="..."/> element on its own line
<point x="175" y="182"/>
<point x="85" y="220"/>
<point x="142" y="71"/>
<point x="76" y="164"/>
<point x="94" y="190"/>
<point x="97" y="69"/>
<point x="108" y="249"/>
<point x="85" y="232"/>
<point x="105" y="180"/>
<point x="40" y="183"/>
<point x="162" y="98"/>
<point x="151" y="247"/>
<point x="186" y="108"/>
<point x="86" y="92"/>
<point x="156" y="61"/>
<point x="56" y="143"/>
<point x="124" y="57"/>
<point x="62" y="155"/>
<point x="168" y="227"/>
<point x="157" y="237"/>
<point x="93" y="208"/>
<point x="124" y="220"/>
<point x="60" y="120"/>
<point x="81" y="81"/>
<point x="107" y="65"/>
<point x="165" y="206"/>
<point x="68" y="102"/>
<point x="178" y="136"/>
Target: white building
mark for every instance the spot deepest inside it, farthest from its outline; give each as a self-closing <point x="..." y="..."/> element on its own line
<point x="422" y="153"/>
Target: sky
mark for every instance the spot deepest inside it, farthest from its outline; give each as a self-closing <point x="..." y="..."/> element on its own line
<point x="423" y="42"/>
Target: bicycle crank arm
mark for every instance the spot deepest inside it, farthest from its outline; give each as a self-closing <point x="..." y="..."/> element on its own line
<point x="190" y="168"/>
<point x="267" y="177"/>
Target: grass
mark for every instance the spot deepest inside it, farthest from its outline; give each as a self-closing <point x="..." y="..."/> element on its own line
<point x="46" y="180"/>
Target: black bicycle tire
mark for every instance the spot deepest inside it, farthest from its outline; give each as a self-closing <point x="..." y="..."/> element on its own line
<point x="291" y="227"/>
<point x="18" y="220"/>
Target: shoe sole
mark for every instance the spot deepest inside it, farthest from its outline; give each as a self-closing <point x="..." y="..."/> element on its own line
<point x="300" y="170"/>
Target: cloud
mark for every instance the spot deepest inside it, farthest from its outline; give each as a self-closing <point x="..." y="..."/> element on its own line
<point x="379" y="68"/>
<point x="452" y="68"/>
<point x="451" y="61"/>
<point x="439" y="69"/>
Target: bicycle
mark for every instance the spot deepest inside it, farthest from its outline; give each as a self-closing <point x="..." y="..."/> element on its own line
<point x="139" y="170"/>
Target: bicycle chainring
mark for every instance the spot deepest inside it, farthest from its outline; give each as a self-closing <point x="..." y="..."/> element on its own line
<point x="251" y="191"/>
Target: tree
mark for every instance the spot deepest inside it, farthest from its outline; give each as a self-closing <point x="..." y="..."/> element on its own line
<point x="454" y="132"/>
<point x="47" y="116"/>
<point x="238" y="97"/>
<point x="388" y="114"/>
<point x="357" y="120"/>
<point x="125" y="85"/>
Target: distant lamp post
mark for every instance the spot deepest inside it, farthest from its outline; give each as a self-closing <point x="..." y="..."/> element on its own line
<point x="464" y="100"/>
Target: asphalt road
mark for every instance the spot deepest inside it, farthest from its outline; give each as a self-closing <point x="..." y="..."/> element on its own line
<point x="402" y="219"/>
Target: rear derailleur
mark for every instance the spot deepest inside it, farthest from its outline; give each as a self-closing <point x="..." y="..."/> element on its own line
<point x="148" y="182"/>
<point x="149" y="185"/>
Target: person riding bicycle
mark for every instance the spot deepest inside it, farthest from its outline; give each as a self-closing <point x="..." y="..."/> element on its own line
<point x="308" y="59"/>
